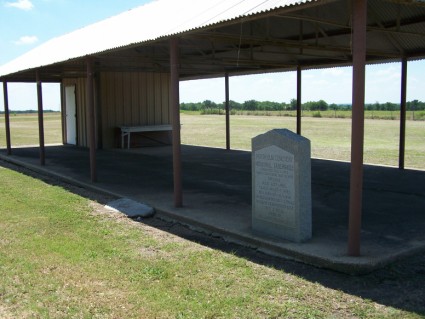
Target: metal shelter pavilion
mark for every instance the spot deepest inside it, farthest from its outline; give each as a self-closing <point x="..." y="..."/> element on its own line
<point x="192" y="39"/>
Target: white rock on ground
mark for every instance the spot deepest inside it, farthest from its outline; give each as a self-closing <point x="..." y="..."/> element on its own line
<point x="130" y="208"/>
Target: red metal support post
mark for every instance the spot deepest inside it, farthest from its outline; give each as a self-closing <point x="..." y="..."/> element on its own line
<point x="91" y="125"/>
<point x="298" y="100"/>
<point x="175" y="108"/>
<point x="40" y="118"/>
<point x="357" y="130"/>
<point x="403" y="114"/>
<point x="7" y="118"/>
<point x="227" y="106"/>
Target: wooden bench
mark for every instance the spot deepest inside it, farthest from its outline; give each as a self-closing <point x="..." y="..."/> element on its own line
<point x="127" y="130"/>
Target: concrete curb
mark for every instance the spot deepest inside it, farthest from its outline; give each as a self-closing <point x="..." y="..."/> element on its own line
<point x="350" y="265"/>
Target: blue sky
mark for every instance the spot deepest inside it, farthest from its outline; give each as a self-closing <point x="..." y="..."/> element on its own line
<point x="28" y="23"/>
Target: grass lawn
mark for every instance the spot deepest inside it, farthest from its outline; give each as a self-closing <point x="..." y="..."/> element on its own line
<point x="330" y="138"/>
<point x="62" y="256"/>
<point x="24" y="129"/>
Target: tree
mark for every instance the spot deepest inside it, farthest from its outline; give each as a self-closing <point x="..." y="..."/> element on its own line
<point x="322" y="105"/>
<point x="233" y="105"/>
<point x="293" y="104"/>
<point x="334" y="107"/>
<point x="207" y="104"/>
<point x="250" y="105"/>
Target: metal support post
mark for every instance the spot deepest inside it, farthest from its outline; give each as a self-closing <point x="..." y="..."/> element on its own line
<point x="298" y="100"/>
<point x="40" y="119"/>
<point x="175" y="107"/>
<point x="227" y="105"/>
<point x="357" y="130"/>
<point x="91" y="118"/>
<point x="402" y="145"/>
<point x="7" y="118"/>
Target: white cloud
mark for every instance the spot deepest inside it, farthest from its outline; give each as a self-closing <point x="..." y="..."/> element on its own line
<point x="307" y="75"/>
<point x="391" y="70"/>
<point x="27" y="39"/>
<point x="334" y="71"/>
<point x="265" y="81"/>
<point x="320" y="82"/>
<point x="20" y="4"/>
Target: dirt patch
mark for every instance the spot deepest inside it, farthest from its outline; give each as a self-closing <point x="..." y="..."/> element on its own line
<point x="4" y="313"/>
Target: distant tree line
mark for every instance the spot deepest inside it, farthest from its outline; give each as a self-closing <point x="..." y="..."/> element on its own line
<point x="28" y="112"/>
<point x="253" y="105"/>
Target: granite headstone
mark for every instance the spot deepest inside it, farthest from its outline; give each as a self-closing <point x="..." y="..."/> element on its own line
<point x="281" y="185"/>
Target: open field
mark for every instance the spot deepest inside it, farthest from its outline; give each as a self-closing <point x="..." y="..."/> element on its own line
<point x="24" y="129"/>
<point x="373" y="115"/>
<point x="64" y="256"/>
<point x="330" y="137"/>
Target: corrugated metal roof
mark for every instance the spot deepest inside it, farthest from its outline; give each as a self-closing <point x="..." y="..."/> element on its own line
<point x="160" y="18"/>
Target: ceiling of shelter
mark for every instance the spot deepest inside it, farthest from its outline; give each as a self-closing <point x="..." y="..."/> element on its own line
<point x="311" y="35"/>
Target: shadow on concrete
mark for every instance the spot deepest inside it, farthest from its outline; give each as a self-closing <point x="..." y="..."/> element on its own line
<point x="394" y="209"/>
<point x="217" y="198"/>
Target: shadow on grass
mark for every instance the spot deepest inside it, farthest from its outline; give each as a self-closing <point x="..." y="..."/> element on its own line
<point x="400" y="285"/>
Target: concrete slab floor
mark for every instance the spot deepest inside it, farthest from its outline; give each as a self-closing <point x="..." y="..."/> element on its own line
<point x="217" y="199"/>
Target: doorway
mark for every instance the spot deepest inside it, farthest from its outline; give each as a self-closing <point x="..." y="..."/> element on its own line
<point x="71" y="115"/>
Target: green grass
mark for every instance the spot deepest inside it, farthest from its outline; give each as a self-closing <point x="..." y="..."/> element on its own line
<point x="61" y="259"/>
<point x="330" y="137"/>
<point x="24" y="129"/>
<point x="374" y="115"/>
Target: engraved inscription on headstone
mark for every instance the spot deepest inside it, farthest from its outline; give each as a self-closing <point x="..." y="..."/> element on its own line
<point x="281" y="185"/>
<point x="274" y="188"/>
